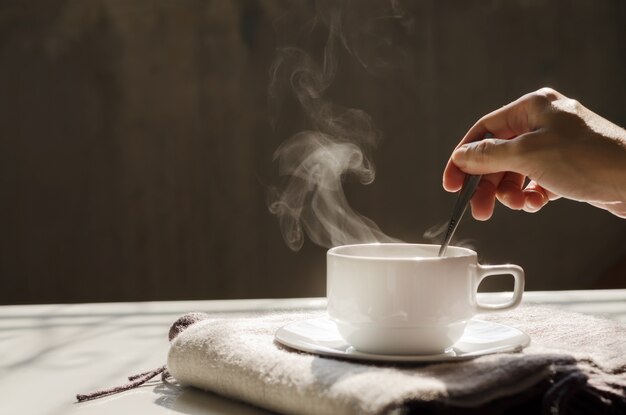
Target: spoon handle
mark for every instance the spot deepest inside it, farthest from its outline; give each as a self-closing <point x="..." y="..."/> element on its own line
<point x="465" y="195"/>
<point x="469" y="187"/>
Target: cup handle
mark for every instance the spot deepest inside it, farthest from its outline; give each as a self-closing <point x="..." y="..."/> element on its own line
<point x="483" y="271"/>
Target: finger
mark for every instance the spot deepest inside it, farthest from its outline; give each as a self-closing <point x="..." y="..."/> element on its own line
<point x="475" y="158"/>
<point x="510" y="121"/>
<point x="536" y="197"/>
<point x="488" y="156"/>
<point x="510" y="192"/>
<point x="505" y="123"/>
<point x="454" y="172"/>
<point x="534" y="186"/>
<point x="485" y="196"/>
<point x="453" y="177"/>
<point x="484" y="199"/>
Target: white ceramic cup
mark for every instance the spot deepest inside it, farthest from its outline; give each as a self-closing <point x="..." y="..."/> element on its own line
<point x="403" y="299"/>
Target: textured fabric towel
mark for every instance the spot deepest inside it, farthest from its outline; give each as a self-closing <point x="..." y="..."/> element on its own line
<point x="575" y="364"/>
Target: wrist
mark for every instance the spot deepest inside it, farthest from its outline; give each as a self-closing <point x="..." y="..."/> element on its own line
<point x="620" y="182"/>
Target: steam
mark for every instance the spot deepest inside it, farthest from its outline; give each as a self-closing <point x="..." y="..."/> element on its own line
<point x="314" y="162"/>
<point x="435" y="235"/>
<point x="314" y="199"/>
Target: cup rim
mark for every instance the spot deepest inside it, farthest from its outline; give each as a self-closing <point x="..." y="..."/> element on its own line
<point x="463" y="252"/>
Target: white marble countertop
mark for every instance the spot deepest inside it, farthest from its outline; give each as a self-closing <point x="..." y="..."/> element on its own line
<point x="48" y="353"/>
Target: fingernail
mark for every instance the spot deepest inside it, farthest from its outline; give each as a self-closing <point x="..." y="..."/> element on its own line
<point x="528" y="207"/>
<point x="537" y="194"/>
<point x="534" y="202"/>
<point x="459" y="155"/>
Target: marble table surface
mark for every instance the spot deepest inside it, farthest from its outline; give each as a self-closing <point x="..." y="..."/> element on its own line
<point x="49" y="353"/>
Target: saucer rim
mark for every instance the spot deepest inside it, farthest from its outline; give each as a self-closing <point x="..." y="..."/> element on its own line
<point x="362" y="356"/>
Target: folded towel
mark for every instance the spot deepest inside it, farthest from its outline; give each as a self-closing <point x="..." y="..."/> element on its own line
<point x="575" y="364"/>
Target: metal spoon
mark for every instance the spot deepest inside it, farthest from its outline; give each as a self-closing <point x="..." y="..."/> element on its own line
<point x="465" y="195"/>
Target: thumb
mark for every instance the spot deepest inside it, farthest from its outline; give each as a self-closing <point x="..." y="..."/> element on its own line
<point x="488" y="156"/>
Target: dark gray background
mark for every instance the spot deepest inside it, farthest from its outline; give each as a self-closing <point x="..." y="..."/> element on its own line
<point x="135" y="141"/>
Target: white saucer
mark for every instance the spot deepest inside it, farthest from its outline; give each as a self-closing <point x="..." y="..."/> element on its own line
<point x="320" y="336"/>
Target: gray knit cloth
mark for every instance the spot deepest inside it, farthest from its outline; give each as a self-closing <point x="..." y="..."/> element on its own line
<point x="575" y="364"/>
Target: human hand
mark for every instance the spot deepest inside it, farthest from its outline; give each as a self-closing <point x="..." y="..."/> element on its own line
<point x="561" y="147"/>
